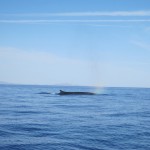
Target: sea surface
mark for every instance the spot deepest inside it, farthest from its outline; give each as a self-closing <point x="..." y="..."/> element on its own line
<point x="33" y="119"/>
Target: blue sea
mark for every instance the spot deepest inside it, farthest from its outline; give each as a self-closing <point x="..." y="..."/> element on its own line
<point x="33" y="119"/>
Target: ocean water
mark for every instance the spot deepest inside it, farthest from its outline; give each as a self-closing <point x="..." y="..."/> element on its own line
<point x="33" y="119"/>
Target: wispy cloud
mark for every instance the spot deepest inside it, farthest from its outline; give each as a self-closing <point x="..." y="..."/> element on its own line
<point x="83" y="14"/>
<point x="109" y="25"/>
<point x="39" y="67"/>
<point x="142" y="45"/>
<point x="74" y="17"/>
<point x="113" y="13"/>
<point x="147" y="29"/>
<point x="73" y="21"/>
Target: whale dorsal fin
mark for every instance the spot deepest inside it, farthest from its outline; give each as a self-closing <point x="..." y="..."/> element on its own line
<point x="61" y="91"/>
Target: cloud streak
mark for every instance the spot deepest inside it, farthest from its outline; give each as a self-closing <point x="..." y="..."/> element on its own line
<point x="73" y="21"/>
<point x="46" y="18"/>
<point x="84" y="14"/>
<point x="142" y="45"/>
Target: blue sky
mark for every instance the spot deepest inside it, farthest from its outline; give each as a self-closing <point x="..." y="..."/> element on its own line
<point x="77" y="42"/>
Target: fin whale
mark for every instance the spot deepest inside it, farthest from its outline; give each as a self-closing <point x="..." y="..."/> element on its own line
<point x="74" y="93"/>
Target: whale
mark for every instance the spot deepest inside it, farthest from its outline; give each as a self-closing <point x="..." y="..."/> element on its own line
<point x="74" y="93"/>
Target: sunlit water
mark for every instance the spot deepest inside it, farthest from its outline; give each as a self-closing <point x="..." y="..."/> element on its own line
<point x="33" y="119"/>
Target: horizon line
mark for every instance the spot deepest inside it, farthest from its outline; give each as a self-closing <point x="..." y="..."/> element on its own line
<point x="27" y="84"/>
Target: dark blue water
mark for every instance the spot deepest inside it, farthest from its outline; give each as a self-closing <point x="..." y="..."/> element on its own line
<point x="33" y="119"/>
